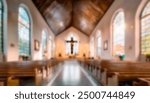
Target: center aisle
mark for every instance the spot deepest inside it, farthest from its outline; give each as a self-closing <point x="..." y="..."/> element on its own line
<point x="71" y="73"/>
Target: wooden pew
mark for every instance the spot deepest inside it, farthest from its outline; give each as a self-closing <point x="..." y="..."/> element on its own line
<point x="3" y="73"/>
<point x="29" y="69"/>
<point x="116" y="72"/>
<point x="93" y="66"/>
<point x="126" y="78"/>
<point x="17" y="71"/>
<point x="143" y="82"/>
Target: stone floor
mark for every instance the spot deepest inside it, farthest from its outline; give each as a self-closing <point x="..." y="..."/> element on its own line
<point x="71" y="73"/>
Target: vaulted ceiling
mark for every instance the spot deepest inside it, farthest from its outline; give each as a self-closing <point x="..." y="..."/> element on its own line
<point x="84" y="15"/>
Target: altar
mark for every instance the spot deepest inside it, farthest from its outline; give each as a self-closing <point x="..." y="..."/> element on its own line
<point x="72" y="55"/>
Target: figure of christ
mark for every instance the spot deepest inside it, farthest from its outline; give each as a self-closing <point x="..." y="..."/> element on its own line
<point x="72" y="44"/>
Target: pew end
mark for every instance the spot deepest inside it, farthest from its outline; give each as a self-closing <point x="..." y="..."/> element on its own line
<point x="11" y="81"/>
<point x="113" y="79"/>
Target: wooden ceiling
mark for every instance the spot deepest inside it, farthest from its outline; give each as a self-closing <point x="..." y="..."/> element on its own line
<point x="81" y="14"/>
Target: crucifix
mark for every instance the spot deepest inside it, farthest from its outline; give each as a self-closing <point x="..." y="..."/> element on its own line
<point x="72" y="44"/>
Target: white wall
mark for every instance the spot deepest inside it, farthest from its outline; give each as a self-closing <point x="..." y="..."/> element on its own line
<point x="38" y="25"/>
<point x="83" y="45"/>
<point x="130" y="8"/>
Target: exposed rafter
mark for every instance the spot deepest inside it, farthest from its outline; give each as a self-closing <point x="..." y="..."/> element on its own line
<point x="81" y="14"/>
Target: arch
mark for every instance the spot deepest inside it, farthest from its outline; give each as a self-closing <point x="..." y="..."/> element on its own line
<point x="44" y="41"/>
<point x="92" y="47"/>
<point x="24" y="32"/>
<point x="145" y="30"/>
<point x="138" y="30"/>
<point x="118" y="38"/>
<point x="50" y="46"/>
<point x="99" y="43"/>
<point x="28" y="12"/>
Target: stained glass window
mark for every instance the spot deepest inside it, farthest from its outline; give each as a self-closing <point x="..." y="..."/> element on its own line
<point x="1" y="27"/>
<point x="92" y="47"/>
<point x="68" y="47"/>
<point x="24" y="32"/>
<point x="50" y="47"/>
<point x="75" y="45"/>
<point x="145" y="27"/>
<point x="44" y="41"/>
<point x="99" y="43"/>
<point x="119" y="34"/>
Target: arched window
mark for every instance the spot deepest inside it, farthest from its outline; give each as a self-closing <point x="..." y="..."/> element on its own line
<point x="72" y="45"/>
<point x="24" y="30"/>
<point x="92" y="47"/>
<point x="119" y="34"/>
<point x="1" y="26"/>
<point x="145" y="28"/>
<point x="44" y="41"/>
<point x="50" y="46"/>
<point x="99" y="43"/>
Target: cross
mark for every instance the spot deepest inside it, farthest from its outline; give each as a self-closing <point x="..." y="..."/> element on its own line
<point x="72" y="44"/>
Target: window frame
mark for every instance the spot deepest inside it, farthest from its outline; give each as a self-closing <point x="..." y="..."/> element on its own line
<point x="30" y="27"/>
<point x="92" y="45"/>
<point x="99" y="48"/>
<point x="2" y="28"/>
<point x="141" y="18"/>
<point x="112" y="29"/>
<point x="44" y="41"/>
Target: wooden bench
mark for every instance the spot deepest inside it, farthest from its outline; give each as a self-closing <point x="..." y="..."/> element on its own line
<point x="143" y="82"/>
<point x="125" y="78"/>
<point x="37" y="70"/>
<point x="17" y="71"/>
<point x="116" y="72"/>
<point x="93" y="66"/>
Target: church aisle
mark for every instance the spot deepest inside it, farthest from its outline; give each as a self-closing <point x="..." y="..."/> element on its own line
<point x="70" y="73"/>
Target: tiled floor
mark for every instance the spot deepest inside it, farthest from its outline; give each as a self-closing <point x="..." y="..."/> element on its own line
<point x="71" y="73"/>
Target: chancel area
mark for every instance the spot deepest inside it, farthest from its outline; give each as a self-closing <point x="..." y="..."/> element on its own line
<point x="74" y="43"/>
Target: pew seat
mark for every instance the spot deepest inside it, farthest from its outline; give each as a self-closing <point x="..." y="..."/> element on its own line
<point x="125" y="78"/>
<point x="13" y="73"/>
<point x="13" y="81"/>
<point x="143" y="81"/>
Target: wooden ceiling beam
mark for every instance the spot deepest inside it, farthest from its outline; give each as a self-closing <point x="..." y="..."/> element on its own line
<point x="96" y="7"/>
<point x="81" y="14"/>
<point x="45" y="5"/>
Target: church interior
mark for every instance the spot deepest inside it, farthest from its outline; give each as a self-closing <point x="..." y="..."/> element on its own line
<point x="74" y="43"/>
